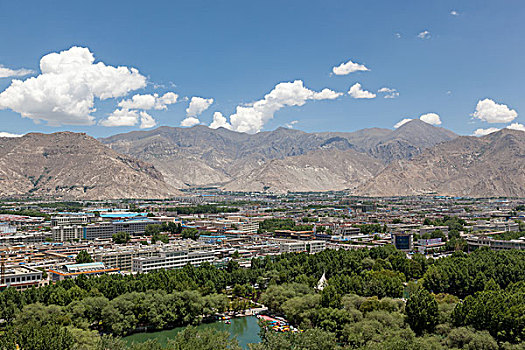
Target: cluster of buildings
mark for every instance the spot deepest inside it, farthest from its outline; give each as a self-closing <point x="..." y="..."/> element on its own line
<point x="36" y="251"/>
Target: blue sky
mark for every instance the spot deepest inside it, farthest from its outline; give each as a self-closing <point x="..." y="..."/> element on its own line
<point x="236" y="52"/>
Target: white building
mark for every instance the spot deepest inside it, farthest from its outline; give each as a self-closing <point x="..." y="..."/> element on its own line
<point x="171" y="260"/>
<point x="6" y="229"/>
<point x="311" y="247"/>
<point x="21" y="277"/>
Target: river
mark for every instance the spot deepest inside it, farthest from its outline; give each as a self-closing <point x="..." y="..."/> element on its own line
<point x="246" y="329"/>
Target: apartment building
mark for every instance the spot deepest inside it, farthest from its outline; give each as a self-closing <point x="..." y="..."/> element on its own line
<point x="506" y="226"/>
<point x="122" y="258"/>
<point x="311" y="247"/>
<point x="69" y="220"/>
<point x="475" y="242"/>
<point x="6" y="228"/>
<point x="21" y="277"/>
<point x="171" y="260"/>
<point x="102" y="230"/>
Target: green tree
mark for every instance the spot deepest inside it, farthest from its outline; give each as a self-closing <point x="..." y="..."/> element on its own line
<point x="159" y="237"/>
<point x="191" y="233"/>
<point x="121" y="237"/>
<point x="153" y="229"/>
<point x="83" y="257"/>
<point x="422" y="311"/>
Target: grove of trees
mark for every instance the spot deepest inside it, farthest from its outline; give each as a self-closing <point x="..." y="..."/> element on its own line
<point x="374" y="299"/>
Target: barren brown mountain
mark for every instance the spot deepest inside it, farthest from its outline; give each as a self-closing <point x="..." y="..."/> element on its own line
<point x="73" y="165"/>
<point x="493" y="165"/>
<point x="280" y="160"/>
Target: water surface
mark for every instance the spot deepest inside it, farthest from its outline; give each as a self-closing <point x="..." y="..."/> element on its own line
<point x="246" y="329"/>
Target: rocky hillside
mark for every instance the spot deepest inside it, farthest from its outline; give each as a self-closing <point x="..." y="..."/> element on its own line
<point x="415" y="159"/>
<point x="320" y="170"/>
<point x="73" y="165"/>
<point x="467" y="166"/>
<point x="202" y="156"/>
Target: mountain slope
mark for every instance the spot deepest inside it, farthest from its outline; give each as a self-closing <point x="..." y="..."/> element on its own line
<point x="320" y="170"/>
<point x="202" y="156"/>
<point x="467" y="166"/>
<point x="73" y="165"/>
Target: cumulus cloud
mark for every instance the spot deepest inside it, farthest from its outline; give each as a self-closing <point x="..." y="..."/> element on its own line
<point x="146" y="120"/>
<point x="492" y="112"/>
<point x="219" y="121"/>
<point x="291" y="124"/>
<point x="398" y="35"/>
<point x="389" y="92"/>
<point x="431" y="118"/>
<point x="424" y="35"/>
<point x="198" y="105"/>
<point x="148" y="101"/>
<point x="67" y="86"/>
<point x="251" y="118"/>
<point x="348" y="67"/>
<point x="190" y="121"/>
<point x="516" y="126"/>
<point x="8" y="72"/>
<point x="454" y="13"/>
<point x="357" y="92"/>
<point x="121" y="117"/>
<point x="8" y="134"/>
<point x="401" y="122"/>
<point x="483" y="132"/>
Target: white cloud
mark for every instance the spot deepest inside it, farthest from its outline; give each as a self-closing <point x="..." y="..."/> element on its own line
<point x="252" y="117"/>
<point x="326" y="94"/>
<point x="198" y="105"/>
<point x="121" y="117"/>
<point x="483" y="132"/>
<point x="492" y="112"/>
<point x="424" y="35"/>
<point x="404" y="121"/>
<point x="219" y="121"/>
<point x="168" y="98"/>
<point x="356" y="92"/>
<point x="348" y="67"/>
<point x="147" y="101"/>
<point x="516" y="126"/>
<point x="389" y="92"/>
<point x="8" y="72"/>
<point x="431" y="118"/>
<point x="190" y="121"/>
<point x="65" y="91"/>
<point x="291" y="124"/>
<point x="146" y="121"/>
<point x="454" y="13"/>
<point x="8" y="134"/>
<point x="398" y="35"/>
<point x="139" y="102"/>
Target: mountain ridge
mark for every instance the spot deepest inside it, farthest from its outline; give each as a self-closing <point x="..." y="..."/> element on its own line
<point x="74" y="165"/>
<point x="415" y="159"/>
<point x="200" y="155"/>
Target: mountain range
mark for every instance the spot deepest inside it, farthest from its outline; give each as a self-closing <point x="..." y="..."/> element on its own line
<point x="416" y="158"/>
